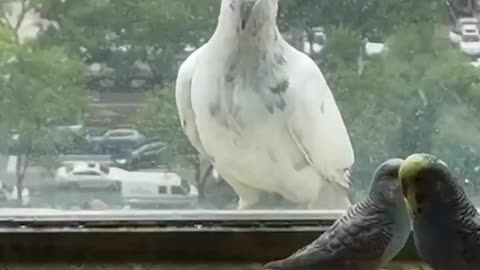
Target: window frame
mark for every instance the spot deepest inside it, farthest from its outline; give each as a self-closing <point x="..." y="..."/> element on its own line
<point x="175" y="236"/>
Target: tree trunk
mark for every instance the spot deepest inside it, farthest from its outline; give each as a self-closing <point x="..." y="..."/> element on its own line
<point x="21" y="170"/>
<point x="310" y="39"/>
<point x="198" y="178"/>
<point x="203" y="182"/>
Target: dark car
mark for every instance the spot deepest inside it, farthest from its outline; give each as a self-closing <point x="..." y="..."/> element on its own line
<point x="148" y="156"/>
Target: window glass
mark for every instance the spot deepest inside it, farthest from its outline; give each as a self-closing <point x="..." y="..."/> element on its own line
<point x="87" y="173"/>
<point x="471" y="38"/>
<point x="177" y="190"/>
<point x="120" y="134"/>
<point x="162" y="190"/>
<point x="192" y="98"/>
<point x="104" y="169"/>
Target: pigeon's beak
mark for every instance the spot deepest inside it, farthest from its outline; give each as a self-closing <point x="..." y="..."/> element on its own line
<point x="246" y="11"/>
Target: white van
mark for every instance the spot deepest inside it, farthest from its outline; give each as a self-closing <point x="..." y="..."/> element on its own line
<point x="159" y="189"/>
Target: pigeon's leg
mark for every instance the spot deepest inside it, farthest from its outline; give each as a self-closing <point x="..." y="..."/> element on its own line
<point x="331" y="197"/>
<point x="248" y="197"/>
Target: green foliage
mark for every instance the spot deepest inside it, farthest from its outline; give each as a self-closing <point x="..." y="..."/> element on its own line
<point x="375" y="19"/>
<point x="159" y="119"/>
<point x="407" y="96"/>
<point x="37" y="84"/>
<point x="121" y="32"/>
<point x="341" y="50"/>
<point x="48" y="80"/>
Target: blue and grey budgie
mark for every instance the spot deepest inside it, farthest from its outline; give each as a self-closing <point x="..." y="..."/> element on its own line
<point x="446" y="224"/>
<point x="367" y="237"/>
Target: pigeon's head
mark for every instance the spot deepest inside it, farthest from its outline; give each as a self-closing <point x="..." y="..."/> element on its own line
<point x="245" y="14"/>
<point x="385" y="184"/>
<point x="427" y="184"/>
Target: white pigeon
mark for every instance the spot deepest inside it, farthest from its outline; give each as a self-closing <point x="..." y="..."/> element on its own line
<point x="263" y="114"/>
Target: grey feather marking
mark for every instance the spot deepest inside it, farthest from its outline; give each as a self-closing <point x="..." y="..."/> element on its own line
<point x="276" y="100"/>
<point x="280" y="88"/>
<point x="230" y="76"/>
<point x="272" y="156"/>
<point x="281" y="104"/>
<point x="269" y="107"/>
<point x="279" y="58"/>
<point x="214" y="109"/>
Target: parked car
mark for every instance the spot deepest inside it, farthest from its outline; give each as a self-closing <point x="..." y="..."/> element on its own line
<point x="469" y="29"/>
<point x="374" y="48"/>
<point x="61" y="125"/>
<point x="455" y="37"/>
<point x="117" y="140"/>
<point x="160" y="189"/>
<point x="149" y="155"/>
<point x="124" y="135"/>
<point x="470" y="44"/>
<point x="462" y="22"/>
<point x="88" y="176"/>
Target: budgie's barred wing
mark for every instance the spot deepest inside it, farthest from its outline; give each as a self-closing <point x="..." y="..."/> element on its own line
<point x="354" y="237"/>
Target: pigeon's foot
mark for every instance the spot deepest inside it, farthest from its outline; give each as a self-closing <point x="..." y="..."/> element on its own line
<point x="245" y="204"/>
<point x="248" y="197"/>
<point x="331" y="197"/>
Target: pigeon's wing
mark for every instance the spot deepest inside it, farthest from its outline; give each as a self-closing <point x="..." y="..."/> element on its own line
<point x="184" y="101"/>
<point x="353" y="239"/>
<point x="315" y="123"/>
<point x="469" y="231"/>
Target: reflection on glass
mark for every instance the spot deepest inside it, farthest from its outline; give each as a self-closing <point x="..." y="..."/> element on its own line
<point x="88" y="110"/>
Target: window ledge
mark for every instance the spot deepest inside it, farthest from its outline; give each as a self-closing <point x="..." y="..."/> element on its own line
<point x="155" y="236"/>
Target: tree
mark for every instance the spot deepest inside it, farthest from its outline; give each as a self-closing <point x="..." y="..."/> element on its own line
<point x="159" y="119"/>
<point x="373" y="19"/>
<point x="429" y="75"/>
<point x="406" y="94"/>
<point x="124" y="33"/>
<point x="37" y="84"/>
